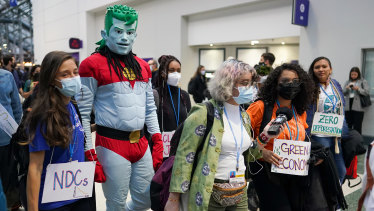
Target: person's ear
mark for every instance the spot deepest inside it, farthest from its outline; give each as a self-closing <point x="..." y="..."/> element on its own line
<point x="104" y="35"/>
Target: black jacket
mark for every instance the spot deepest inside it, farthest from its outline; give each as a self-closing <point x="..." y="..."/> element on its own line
<point x="197" y="88"/>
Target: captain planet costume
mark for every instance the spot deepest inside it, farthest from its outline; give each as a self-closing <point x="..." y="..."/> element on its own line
<point x="116" y="86"/>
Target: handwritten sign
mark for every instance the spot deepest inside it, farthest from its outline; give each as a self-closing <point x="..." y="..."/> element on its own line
<point x="67" y="181"/>
<point x="327" y="124"/>
<point x="166" y="138"/>
<point x="7" y="123"/>
<point x="295" y="156"/>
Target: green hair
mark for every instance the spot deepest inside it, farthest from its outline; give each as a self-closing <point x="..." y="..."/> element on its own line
<point x="120" y="12"/>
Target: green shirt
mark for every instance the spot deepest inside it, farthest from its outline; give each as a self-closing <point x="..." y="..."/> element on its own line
<point x="201" y="184"/>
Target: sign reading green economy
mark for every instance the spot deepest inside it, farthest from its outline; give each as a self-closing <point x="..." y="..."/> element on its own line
<point x="295" y="156"/>
<point x="327" y="124"/>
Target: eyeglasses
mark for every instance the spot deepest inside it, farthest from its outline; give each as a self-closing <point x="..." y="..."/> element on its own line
<point x="290" y="82"/>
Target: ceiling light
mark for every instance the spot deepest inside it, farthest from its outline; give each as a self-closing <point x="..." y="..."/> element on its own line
<point x="253" y="42"/>
<point x="210" y="44"/>
<point x="283" y="43"/>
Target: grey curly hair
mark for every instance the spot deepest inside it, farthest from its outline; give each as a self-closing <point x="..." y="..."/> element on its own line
<point x="220" y="87"/>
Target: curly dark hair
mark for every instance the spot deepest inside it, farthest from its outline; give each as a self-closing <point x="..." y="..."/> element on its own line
<point x="316" y="88"/>
<point x="268" y="92"/>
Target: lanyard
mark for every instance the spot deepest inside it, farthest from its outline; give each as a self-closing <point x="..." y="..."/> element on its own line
<point x="233" y="134"/>
<point x="331" y="100"/>
<point x="71" y="148"/>
<point x="172" y="103"/>
<point x="288" y="127"/>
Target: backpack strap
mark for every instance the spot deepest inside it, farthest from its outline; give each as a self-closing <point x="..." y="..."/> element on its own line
<point x="268" y="113"/>
<point x="209" y="124"/>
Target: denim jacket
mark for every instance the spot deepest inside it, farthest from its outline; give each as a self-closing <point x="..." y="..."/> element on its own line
<point x="9" y="98"/>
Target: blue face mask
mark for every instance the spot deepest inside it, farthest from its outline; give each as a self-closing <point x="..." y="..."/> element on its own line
<point x="245" y="95"/>
<point x="70" y="86"/>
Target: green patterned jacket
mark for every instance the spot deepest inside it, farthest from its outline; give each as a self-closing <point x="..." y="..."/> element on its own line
<point x="201" y="184"/>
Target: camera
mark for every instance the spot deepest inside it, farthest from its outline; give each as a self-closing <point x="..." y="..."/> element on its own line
<point x="351" y="85"/>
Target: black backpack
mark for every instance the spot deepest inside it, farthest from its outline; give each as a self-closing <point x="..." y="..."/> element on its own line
<point x="160" y="183"/>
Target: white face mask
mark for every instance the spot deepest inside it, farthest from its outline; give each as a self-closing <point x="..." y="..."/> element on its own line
<point x="203" y="72"/>
<point x="174" y="78"/>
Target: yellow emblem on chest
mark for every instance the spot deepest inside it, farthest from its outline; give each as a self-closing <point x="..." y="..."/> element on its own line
<point x="129" y="74"/>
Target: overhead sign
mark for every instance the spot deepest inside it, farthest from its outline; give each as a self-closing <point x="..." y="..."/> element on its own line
<point x="327" y="124"/>
<point x="295" y="156"/>
<point x="300" y="12"/>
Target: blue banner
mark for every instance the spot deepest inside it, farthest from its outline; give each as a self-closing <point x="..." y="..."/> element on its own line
<point x="300" y="11"/>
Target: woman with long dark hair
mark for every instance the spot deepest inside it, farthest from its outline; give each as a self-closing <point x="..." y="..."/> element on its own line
<point x="287" y="86"/>
<point x="174" y="102"/>
<point x="327" y="98"/>
<point x="197" y="85"/>
<point x="55" y="131"/>
<point x="352" y="89"/>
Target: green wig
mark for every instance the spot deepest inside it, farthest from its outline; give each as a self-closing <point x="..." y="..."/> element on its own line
<point x="120" y="12"/>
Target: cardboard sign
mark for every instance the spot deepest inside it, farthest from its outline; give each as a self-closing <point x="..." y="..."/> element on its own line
<point x="327" y="124"/>
<point x="295" y="156"/>
<point x="166" y="138"/>
<point x="7" y="123"/>
<point x="67" y="181"/>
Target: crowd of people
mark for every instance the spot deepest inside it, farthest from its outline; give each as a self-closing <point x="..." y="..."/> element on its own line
<point x="135" y="107"/>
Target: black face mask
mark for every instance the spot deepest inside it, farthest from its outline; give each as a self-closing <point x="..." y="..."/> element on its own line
<point x="261" y="63"/>
<point x="288" y="91"/>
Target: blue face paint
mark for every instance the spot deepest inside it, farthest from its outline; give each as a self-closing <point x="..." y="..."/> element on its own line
<point x="121" y="37"/>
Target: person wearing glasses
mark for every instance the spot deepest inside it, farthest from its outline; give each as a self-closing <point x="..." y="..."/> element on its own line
<point x="226" y="151"/>
<point x="287" y="86"/>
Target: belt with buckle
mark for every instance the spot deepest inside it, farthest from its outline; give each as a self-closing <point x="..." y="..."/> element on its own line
<point x="132" y="136"/>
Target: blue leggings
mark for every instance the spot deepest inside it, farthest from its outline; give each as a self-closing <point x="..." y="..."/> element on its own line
<point x="339" y="161"/>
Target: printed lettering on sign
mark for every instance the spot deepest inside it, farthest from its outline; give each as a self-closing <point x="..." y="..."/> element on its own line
<point x="7" y="123"/>
<point x="166" y="138"/>
<point x="295" y="156"/>
<point x="67" y="181"/>
<point x="327" y="124"/>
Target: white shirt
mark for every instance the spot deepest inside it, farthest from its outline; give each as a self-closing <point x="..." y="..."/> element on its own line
<point x="227" y="157"/>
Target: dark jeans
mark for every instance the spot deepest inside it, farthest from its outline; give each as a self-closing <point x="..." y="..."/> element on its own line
<point x="338" y="158"/>
<point x="80" y="205"/>
<point x="354" y="119"/>
<point x="8" y="174"/>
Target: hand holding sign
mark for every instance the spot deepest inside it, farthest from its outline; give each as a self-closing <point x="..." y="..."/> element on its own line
<point x="295" y="155"/>
<point x="271" y="157"/>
